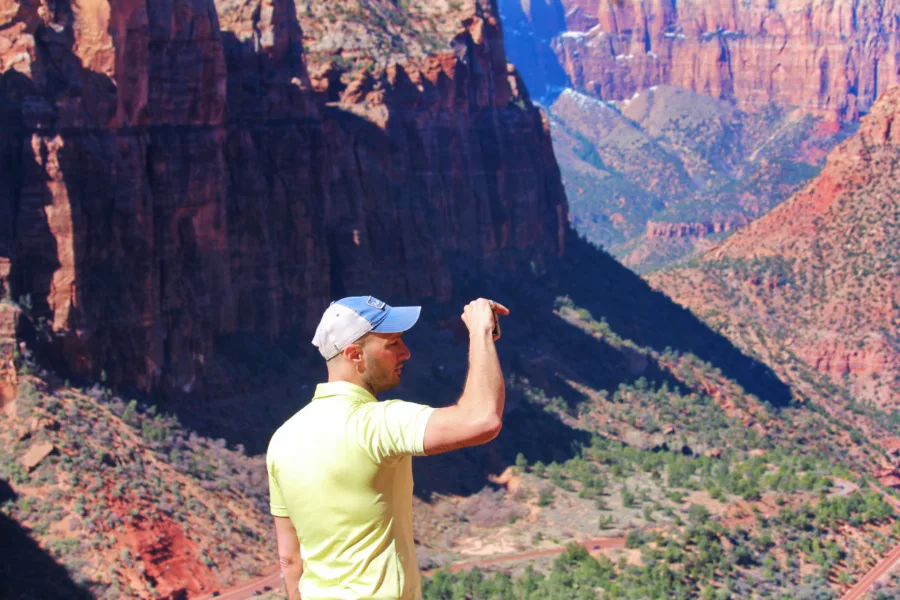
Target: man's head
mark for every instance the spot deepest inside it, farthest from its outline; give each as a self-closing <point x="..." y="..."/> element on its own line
<point x="360" y="338"/>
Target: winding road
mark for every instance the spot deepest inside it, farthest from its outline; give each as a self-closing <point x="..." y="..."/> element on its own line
<point x="884" y="565"/>
<point x="592" y="544"/>
<point x="249" y="589"/>
<point x="866" y="581"/>
<point x="273" y="580"/>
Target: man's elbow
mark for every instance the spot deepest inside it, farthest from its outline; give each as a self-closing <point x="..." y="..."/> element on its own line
<point x="490" y="428"/>
<point x="289" y="561"/>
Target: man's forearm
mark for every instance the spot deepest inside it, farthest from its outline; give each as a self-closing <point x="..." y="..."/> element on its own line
<point x="485" y="393"/>
<point x="291" y="570"/>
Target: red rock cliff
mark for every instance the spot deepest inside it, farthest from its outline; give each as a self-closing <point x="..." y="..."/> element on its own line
<point x="830" y="58"/>
<point x="173" y="174"/>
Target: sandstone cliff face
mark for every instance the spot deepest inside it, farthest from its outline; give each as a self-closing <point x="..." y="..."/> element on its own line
<point x="174" y="173"/>
<point x="818" y="276"/>
<point x="829" y="58"/>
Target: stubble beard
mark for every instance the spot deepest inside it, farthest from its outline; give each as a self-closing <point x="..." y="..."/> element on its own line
<point x="378" y="378"/>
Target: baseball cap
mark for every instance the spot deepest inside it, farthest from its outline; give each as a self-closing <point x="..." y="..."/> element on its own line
<point x="348" y="319"/>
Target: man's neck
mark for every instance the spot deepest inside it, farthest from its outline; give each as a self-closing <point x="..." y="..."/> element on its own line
<point x="350" y="378"/>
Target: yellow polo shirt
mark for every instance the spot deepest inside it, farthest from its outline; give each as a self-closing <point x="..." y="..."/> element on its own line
<point x="341" y="469"/>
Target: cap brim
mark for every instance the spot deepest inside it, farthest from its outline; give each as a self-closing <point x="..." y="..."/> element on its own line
<point x="399" y="318"/>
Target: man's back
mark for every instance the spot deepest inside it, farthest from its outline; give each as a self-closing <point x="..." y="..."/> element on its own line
<point x="341" y="470"/>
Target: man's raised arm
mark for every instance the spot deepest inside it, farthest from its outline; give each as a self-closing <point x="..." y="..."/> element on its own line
<point x="478" y="415"/>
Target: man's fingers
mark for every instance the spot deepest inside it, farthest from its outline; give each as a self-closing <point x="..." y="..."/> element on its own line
<point x="494" y="305"/>
<point x="500" y="309"/>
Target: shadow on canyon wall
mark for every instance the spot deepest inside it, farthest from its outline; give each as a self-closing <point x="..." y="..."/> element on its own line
<point x="53" y="147"/>
<point x="542" y="348"/>
<point x="24" y="197"/>
<point x="649" y="318"/>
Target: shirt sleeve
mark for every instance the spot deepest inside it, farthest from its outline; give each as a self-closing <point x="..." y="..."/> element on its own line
<point x="277" y="505"/>
<point x="392" y="428"/>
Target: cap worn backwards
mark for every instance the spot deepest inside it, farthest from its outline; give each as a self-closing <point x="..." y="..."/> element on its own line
<point x="348" y="319"/>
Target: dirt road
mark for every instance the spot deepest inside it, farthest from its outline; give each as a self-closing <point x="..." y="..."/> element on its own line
<point x="890" y="559"/>
<point x="273" y="580"/>
<point x="591" y="545"/>
<point x="862" y="586"/>
<point x="250" y="589"/>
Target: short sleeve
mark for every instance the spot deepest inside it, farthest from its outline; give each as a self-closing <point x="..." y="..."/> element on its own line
<point x="277" y="505"/>
<point x="392" y="428"/>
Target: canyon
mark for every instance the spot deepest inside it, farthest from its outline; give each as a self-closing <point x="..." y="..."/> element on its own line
<point x="798" y="74"/>
<point x="176" y="175"/>
<point x="816" y="279"/>
<point x="657" y="177"/>
<point x="187" y="184"/>
<point x="830" y="59"/>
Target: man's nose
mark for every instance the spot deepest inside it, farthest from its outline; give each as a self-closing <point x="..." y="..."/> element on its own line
<point x="404" y="351"/>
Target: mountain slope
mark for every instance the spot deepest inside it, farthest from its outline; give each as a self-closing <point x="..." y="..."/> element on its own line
<point x="668" y="172"/>
<point x="818" y="278"/>
<point x="130" y="503"/>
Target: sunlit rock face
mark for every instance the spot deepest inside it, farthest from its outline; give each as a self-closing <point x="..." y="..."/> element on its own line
<point x="817" y="277"/>
<point x="831" y="58"/>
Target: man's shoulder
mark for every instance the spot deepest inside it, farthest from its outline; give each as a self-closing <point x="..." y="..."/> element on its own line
<point x="390" y="413"/>
<point x="285" y="431"/>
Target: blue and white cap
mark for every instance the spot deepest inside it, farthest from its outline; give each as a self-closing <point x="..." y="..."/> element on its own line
<point x="348" y="319"/>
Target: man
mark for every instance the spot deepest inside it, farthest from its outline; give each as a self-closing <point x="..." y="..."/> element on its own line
<point x="340" y="470"/>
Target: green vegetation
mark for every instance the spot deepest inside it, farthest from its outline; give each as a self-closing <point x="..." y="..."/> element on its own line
<point x="681" y="563"/>
<point x="657" y="452"/>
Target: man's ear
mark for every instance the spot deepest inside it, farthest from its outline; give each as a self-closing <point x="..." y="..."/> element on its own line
<point x="353" y="352"/>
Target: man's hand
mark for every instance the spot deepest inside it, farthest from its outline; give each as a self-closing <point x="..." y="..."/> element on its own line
<point x="479" y="315"/>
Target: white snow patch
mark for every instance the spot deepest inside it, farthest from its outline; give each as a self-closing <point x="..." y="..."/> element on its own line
<point x="583" y="101"/>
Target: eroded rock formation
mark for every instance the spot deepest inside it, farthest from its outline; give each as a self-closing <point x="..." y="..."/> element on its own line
<point x="658" y="229"/>
<point x="175" y="173"/>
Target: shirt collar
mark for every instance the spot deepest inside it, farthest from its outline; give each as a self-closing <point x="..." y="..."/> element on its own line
<point x="342" y="388"/>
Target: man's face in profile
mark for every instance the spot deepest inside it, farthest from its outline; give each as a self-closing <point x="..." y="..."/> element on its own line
<point x="383" y="356"/>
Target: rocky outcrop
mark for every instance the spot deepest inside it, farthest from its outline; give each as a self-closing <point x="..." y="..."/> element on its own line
<point x="831" y="59"/>
<point x="656" y="229"/>
<point x="35" y="454"/>
<point x="177" y="174"/>
<point x="9" y="385"/>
